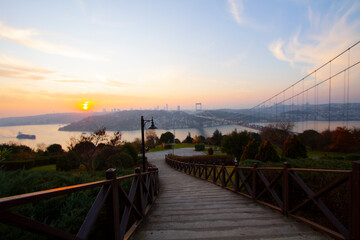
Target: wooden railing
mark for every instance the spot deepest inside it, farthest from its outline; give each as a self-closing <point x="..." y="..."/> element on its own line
<point x="122" y="220"/>
<point x="285" y="190"/>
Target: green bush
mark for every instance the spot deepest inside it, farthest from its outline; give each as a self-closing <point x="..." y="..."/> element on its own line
<point x="250" y="150"/>
<point x="30" y="163"/>
<point x="126" y="160"/>
<point x="199" y="147"/>
<point x="131" y="150"/>
<point x="293" y="148"/>
<point x="251" y="162"/>
<point x="205" y="159"/>
<point x="233" y="143"/>
<point x="67" y="162"/>
<point x="267" y="153"/>
<point x="210" y="151"/>
<point x="352" y="157"/>
<point x="168" y="146"/>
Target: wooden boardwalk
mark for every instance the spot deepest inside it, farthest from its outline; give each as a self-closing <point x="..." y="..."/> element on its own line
<point x="190" y="208"/>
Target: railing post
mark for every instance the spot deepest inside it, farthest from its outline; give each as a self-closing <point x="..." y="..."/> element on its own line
<point x="254" y="182"/>
<point x="206" y="172"/>
<point x="223" y="177"/>
<point x="286" y="188"/>
<point x="355" y="201"/>
<point x="113" y="205"/>
<point x="214" y="173"/>
<point x="140" y="194"/>
<point x="237" y="179"/>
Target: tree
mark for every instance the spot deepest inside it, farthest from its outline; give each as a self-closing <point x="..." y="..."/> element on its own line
<point x="277" y="133"/>
<point x="188" y="139"/>
<point x="267" y="153"/>
<point x="233" y="143"/>
<point x="216" y="138"/>
<point x="293" y="148"/>
<point x="311" y="138"/>
<point x="250" y="150"/>
<point x="196" y="139"/>
<point x="151" y="138"/>
<point x="342" y="140"/>
<point x="167" y="137"/>
<point x="54" y="149"/>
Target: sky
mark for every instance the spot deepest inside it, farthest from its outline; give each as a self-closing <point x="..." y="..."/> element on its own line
<point x="57" y="55"/>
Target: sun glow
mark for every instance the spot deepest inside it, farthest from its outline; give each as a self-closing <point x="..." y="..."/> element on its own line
<point x="85" y="106"/>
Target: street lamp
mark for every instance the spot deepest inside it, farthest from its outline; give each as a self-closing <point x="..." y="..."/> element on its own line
<point x="143" y="122"/>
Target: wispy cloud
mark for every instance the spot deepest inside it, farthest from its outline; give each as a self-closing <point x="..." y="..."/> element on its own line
<point x="19" y="75"/>
<point x="236" y="9"/>
<point x="73" y="81"/>
<point x="20" y="65"/>
<point x="19" y="69"/>
<point x="29" y="38"/>
<point x="327" y="36"/>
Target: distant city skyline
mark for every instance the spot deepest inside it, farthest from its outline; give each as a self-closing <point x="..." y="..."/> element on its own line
<point x="81" y="55"/>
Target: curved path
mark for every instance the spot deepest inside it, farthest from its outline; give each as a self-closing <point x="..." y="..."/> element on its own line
<point x="190" y="208"/>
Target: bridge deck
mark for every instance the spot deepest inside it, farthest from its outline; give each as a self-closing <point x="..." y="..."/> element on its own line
<point x="190" y="208"/>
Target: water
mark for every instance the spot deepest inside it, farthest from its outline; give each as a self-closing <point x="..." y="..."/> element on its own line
<point x="49" y="134"/>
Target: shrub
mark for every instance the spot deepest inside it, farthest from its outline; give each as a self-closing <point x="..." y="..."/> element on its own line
<point x="126" y="160"/>
<point x="210" y="151"/>
<point x="205" y="159"/>
<point x="167" y="137"/>
<point x="293" y="148"/>
<point x="131" y="150"/>
<point x="233" y="144"/>
<point x="188" y="139"/>
<point x="250" y="150"/>
<point x="250" y="163"/>
<point x="267" y="153"/>
<point x="199" y="147"/>
<point x="352" y="157"/>
<point x="68" y="162"/>
<point x="311" y="138"/>
<point x="168" y="146"/>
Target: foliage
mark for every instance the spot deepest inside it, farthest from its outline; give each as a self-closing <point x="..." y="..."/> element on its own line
<point x="126" y="160"/>
<point x="250" y="163"/>
<point x="68" y="162"/>
<point x="167" y="146"/>
<point x="342" y="140"/>
<point x="4" y="154"/>
<point x="205" y="159"/>
<point x="267" y="152"/>
<point x="54" y="149"/>
<point x="196" y="139"/>
<point x="151" y="138"/>
<point x="293" y="148"/>
<point x="199" y="147"/>
<point x="311" y="138"/>
<point x="131" y="150"/>
<point x="277" y="132"/>
<point x="216" y="138"/>
<point x="250" y="150"/>
<point x="352" y="157"/>
<point x="233" y="143"/>
<point x="167" y="137"/>
<point x="210" y="151"/>
<point x="188" y="139"/>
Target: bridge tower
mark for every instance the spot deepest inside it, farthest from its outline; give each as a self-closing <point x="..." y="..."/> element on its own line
<point x="198" y="107"/>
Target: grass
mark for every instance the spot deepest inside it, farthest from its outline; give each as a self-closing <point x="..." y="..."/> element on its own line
<point x="51" y="167"/>
<point x="177" y="146"/>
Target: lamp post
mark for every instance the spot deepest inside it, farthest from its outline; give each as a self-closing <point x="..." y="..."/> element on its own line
<point x="143" y="122"/>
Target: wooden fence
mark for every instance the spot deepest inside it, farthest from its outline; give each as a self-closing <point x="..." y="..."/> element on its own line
<point x="285" y="190"/>
<point x="122" y="221"/>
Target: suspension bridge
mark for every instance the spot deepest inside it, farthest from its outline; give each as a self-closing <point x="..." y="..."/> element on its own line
<point x="328" y="93"/>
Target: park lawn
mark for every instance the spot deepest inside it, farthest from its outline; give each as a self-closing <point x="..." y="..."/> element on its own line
<point x="177" y="146"/>
<point x="51" y="167"/>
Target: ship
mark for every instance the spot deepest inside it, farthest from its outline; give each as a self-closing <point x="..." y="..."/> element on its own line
<point x="25" y="136"/>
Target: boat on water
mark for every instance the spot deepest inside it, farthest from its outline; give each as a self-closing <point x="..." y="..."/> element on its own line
<point x="25" y="136"/>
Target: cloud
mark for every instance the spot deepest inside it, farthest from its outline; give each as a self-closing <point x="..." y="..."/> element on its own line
<point x="73" y="81"/>
<point x="19" y="69"/>
<point x="326" y="36"/>
<point x="236" y="9"/>
<point x="19" y="75"/>
<point x="20" y="65"/>
<point x="28" y="38"/>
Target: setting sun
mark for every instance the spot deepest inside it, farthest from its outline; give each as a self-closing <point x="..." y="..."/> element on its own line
<point x="85" y="106"/>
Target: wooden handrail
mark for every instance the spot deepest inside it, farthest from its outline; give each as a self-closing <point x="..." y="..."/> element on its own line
<point x="253" y="184"/>
<point x="142" y="194"/>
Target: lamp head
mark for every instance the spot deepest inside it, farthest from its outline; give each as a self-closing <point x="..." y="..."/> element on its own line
<point x="152" y="124"/>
